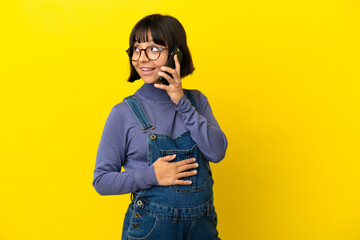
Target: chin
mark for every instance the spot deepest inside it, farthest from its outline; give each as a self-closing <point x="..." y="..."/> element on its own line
<point x="150" y="80"/>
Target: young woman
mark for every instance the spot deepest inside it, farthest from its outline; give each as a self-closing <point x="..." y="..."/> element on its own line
<point x="164" y="137"/>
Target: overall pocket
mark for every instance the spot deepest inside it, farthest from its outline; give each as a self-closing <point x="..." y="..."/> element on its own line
<point x="198" y="180"/>
<point x="142" y="225"/>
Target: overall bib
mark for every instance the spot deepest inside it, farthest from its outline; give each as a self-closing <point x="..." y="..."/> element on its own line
<point x="175" y="212"/>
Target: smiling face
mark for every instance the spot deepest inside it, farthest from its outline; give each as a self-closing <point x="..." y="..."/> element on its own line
<point x="146" y="68"/>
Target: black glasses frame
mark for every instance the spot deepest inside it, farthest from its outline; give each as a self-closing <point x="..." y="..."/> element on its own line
<point x="130" y="52"/>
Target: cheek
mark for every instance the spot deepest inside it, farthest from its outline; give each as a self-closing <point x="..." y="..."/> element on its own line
<point x="162" y="60"/>
<point x="134" y="65"/>
<point x="136" y="68"/>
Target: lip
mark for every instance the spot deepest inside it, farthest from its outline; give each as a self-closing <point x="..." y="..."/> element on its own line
<point x="147" y="72"/>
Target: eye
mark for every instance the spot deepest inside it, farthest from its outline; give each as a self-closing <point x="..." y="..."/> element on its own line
<point x="155" y="49"/>
<point x="136" y="49"/>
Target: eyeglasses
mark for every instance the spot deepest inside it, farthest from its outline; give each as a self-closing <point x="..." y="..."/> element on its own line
<point x="151" y="52"/>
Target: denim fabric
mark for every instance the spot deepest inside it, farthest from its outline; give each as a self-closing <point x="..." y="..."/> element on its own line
<point x="171" y="212"/>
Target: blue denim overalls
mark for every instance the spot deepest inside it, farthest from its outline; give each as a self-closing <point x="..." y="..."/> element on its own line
<point x="175" y="212"/>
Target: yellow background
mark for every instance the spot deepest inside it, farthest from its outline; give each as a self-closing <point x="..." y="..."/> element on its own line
<point x="281" y="76"/>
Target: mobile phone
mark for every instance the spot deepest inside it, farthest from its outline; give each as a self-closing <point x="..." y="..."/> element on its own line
<point x="171" y="63"/>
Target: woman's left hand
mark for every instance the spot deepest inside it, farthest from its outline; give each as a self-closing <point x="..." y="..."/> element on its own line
<point x="174" y="90"/>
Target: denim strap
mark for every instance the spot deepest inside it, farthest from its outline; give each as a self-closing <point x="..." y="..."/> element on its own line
<point x="191" y="98"/>
<point x="139" y="113"/>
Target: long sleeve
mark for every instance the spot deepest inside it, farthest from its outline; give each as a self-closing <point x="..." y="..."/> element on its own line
<point x="111" y="156"/>
<point x="122" y="157"/>
<point x="203" y="127"/>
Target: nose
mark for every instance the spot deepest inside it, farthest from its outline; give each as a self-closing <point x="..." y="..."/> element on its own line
<point x="143" y="57"/>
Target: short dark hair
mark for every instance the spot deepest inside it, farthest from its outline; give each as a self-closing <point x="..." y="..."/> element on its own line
<point x="165" y="30"/>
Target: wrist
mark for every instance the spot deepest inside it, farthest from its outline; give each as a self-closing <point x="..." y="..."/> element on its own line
<point x="179" y="98"/>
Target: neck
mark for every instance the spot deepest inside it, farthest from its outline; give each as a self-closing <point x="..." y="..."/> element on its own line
<point x="150" y="92"/>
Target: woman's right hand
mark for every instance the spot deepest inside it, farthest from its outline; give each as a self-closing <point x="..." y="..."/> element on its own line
<point x="168" y="173"/>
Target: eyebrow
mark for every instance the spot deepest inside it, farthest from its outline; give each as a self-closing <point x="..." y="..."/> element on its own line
<point x="137" y="43"/>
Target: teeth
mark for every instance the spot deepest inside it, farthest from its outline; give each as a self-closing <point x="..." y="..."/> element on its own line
<point x="146" y="69"/>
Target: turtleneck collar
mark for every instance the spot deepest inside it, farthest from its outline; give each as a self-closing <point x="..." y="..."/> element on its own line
<point x="152" y="93"/>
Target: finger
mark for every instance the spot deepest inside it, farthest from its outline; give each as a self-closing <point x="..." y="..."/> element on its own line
<point x="161" y="86"/>
<point x="169" y="157"/>
<point x="177" y="64"/>
<point x="168" y="69"/>
<point x="187" y="167"/>
<point x="182" y="182"/>
<point x="185" y="162"/>
<point x="186" y="174"/>
<point x="166" y="76"/>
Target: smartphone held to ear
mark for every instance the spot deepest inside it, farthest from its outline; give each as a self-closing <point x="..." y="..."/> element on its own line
<point x="171" y="63"/>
